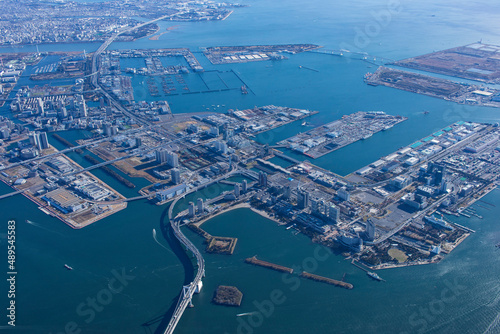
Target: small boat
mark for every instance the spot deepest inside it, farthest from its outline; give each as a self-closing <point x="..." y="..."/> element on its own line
<point x="374" y="276"/>
<point x="68" y="267"/>
<point x="243" y="314"/>
<point x="303" y="124"/>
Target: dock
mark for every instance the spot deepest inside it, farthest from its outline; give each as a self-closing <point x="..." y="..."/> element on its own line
<point x="353" y="262"/>
<point x="253" y="260"/>
<point x="327" y="280"/>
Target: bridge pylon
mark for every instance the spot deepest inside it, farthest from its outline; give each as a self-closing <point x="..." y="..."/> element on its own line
<point x="186" y="294"/>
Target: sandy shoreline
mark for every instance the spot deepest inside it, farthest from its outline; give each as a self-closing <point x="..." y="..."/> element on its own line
<point x="244" y="205"/>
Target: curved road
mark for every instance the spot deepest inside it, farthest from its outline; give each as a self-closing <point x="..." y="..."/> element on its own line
<point x="190" y="289"/>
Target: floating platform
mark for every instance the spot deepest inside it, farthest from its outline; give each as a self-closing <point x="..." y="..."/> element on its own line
<point x="253" y="260"/>
<point x="327" y="280"/>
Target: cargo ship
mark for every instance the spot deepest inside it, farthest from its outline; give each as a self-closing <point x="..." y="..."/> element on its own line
<point x="68" y="267"/>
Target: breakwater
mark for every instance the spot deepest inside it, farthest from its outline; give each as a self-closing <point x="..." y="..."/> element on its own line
<point x="253" y="260"/>
<point x="326" y="280"/>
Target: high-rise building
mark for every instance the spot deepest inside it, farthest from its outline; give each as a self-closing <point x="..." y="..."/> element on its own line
<point x="4" y="133"/>
<point x="39" y="140"/>
<point x="227" y="134"/>
<point x="107" y="129"/>
<point x="43" y="140"/>
<point x="262" y="179"/>
<point x="318" y="207"/>
<point x="172" y="159"/>
<point x="370" y="230"/>
<point x="33" y="137"/>
<point x="214" y="131"/>
<point x="221" y="146"/>
<point x="444" y="186"/>
<point x="302" y="199"/>
<point x="244" y="186"/>
<point x="39" y="106"/>
<point x="64" y="112"/>
<point x="161" y="156"/>
<point x="201" y="206"/>
<point x="343" y="194"/>
<point x="237" y="190"/>
<point x="175" y="175"/>
<point x="438" y="177"/>
<point x="82" y="106"/>
<point x="191" y="209"/>
<point x="287" y="192"/>
<point x="333" y="213"/>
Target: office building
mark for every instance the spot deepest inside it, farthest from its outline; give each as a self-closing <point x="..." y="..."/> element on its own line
<point x="370" y="230"/>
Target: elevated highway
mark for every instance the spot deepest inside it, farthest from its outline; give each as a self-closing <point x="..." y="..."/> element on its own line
<point x="195" y="286"/>
<point x="95" y="72"/>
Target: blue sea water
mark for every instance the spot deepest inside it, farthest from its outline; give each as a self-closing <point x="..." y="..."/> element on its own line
<point x="458" y="295"/>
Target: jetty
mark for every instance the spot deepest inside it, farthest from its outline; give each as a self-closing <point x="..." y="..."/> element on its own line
<point x="253" y="260"/>
<point x="327" y="280"/>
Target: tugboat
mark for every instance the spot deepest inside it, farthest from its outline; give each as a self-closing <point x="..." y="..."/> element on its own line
<point x="375" y="276"/>
<point x="68" y="267"/>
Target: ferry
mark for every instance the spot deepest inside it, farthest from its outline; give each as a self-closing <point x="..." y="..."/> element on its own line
<point x="374" y="276"/>
<point x="68" y="267"/>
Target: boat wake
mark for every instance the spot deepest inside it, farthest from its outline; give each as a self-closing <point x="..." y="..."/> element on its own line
<point x="154" y="237"/>
<point x="247" y="313"/>
<point x="42" y="227"/>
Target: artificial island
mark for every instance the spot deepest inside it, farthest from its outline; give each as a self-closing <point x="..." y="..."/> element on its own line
<point x="390" y="213"/>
